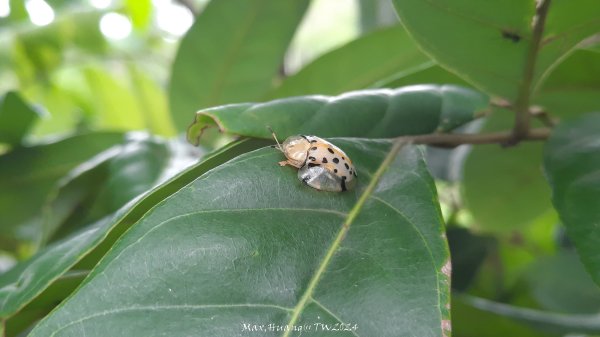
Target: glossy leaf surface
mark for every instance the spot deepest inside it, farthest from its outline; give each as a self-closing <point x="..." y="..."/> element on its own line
<point x="368" y="113"/>
<point x="572" y="166"/>
<point x="17" y="288"/>
<point x="247" y="242"/>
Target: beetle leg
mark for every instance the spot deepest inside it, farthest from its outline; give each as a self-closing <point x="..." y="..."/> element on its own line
<point x="283" y="163"/>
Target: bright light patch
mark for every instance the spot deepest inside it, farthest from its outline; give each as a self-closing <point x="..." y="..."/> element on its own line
<point x="40" y="13"/>
<point x="101" y="4"/>
<point x="4" y="8"/>
<point x="115" y="26"/>
<point x="172" y="18"/>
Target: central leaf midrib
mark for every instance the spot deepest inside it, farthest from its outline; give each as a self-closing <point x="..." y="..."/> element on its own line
<point x="335" y="245"/>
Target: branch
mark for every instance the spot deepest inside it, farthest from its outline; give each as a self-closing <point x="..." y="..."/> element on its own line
<point x="520" y="130"/>
<point x="453" y="139"/>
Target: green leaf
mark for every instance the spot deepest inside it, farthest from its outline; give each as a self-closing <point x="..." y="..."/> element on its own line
<point x="368" y="113"/>
<point x="231" y="54"/>
<point x="572" y="167"/>
<point x="487" y="42"/>
<point x="91" y="242"/>
<point x="360" y="64"/>
<point x="16" y="118"/>
<point x="560" y="283"/>
<point x="247" y="242"/>
<point x="468" y="252"/>
<point x="103" y="188"/>
<point x="43" y="304"/>
<point x="573" y="87"/>
<point x="504" y="187"/>
<point x="28" y="174"/>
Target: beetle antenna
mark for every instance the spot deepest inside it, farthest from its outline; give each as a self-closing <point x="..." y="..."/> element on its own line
<point x="275" y="137"/>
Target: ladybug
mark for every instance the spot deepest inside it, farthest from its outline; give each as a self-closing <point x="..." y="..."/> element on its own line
<point x="321" y="164"/>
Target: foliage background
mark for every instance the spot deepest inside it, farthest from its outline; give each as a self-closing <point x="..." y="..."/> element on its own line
<point x="92" y="124"/>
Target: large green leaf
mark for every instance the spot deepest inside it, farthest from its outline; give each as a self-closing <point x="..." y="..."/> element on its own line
<point x="231" y="54"/>
<point x="368" y="113"/>
<point x="248" y="243"/>
<point x="17" y="288"/>
<point x="572" y="167"/>
<point x="16" y="118"/>
<point x="504" y="187"/>
<point x="28" y="174"/>
<point x="487" y="42"/>
<point x="560" y="283"/>
<point x="360" y="64"/>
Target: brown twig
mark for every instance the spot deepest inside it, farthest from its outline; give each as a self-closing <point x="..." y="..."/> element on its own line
<point x="522" y="117"/>
<point x="453" y="139"/>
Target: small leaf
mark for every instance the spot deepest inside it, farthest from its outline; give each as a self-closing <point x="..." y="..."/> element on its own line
<point x="360" y="64"/>
<point x="17" y="288"/>
<point x="231" y="54"/>
<point x="572" y="167"/>
<point x="247" y="242"/>
<point x="487" y="42"/>
<point x="367" y="113"/>
<point x="16" y="118"/>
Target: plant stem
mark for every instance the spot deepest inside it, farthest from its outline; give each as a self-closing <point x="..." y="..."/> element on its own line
<point x="522" y="117"/>
<point x="453" y="140"/>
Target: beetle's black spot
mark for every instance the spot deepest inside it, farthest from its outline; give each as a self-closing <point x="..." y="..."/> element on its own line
<point x="343" y="177"/>
<point x="335" y="160"/>
<point x="303" y="136"/>
<point x="313" y="141"/>
<point x="313" y="164"/>
<point x="313" y="148"/>
<point x="513" y="36"/>
<point x="312" y="158"/>
<point x="334" y="170"/>
<point x="347" y="167"/>
<point x="325" y="160"/>
<point x="344" y="183"/>
<point x="343" y="158"/>
<point x="330" y="150"/>
<point x="305" y="180"/>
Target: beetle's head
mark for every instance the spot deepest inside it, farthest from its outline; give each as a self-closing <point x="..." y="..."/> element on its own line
<point x="295" y="148"/>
